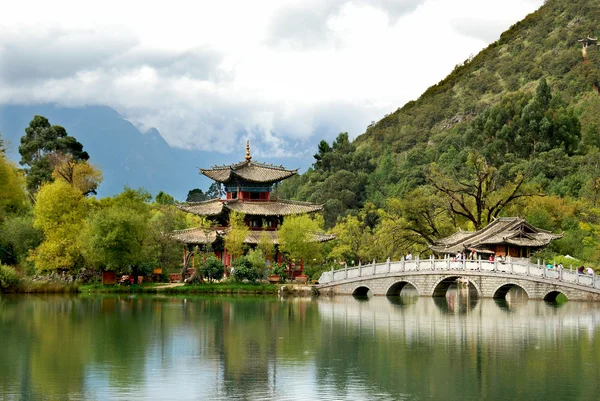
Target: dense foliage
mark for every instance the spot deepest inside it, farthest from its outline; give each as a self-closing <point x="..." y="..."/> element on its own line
<point x="511" y="131"/>
<point x="212" y="268"/>
<point x="244" y="270"/>
<point x="43" y="147"/>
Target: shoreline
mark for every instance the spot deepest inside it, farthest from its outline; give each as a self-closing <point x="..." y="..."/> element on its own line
<point x="197" y="289"/>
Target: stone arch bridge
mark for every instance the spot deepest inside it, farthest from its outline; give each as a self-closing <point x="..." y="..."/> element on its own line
<point x="432" y="277"/>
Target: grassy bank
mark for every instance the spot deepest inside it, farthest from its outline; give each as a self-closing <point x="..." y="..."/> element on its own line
<point x="214" y="288"/>
<point x="27" y="286"/>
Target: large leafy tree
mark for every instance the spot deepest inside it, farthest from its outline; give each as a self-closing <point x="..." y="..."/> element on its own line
<point x="17" y="237"/>
<point x="41" y="149"/>
<point x="59" y="212"/>
<point x="238" y="231"/>
<point x="297" y="237"/>
<point x="475" y="190"/>
<point x="79" y="174"/>
<point x="13" y="199"/>
<point x="117" y="237"/>
<point x="196" y="195"/>
<point x="354" y="239"/>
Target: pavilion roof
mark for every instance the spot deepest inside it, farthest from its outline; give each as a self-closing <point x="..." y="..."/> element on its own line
<point x="201" y="235"/>
<point x="214" y="207"/>
<point x="505" y="230"/>
<point x="248" y="170"/>
<point x="197" y="235"/>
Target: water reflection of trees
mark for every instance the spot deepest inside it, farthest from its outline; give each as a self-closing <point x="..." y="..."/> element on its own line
<point x="54" y="346"/>
<point x="60" y="347"/>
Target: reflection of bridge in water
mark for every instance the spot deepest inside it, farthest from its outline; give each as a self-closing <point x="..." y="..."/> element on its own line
<point x="441" y="318"/>
<point x="433" y="277"/>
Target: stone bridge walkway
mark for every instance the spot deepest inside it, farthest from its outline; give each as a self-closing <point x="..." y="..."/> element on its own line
<point x="432" y="277"/>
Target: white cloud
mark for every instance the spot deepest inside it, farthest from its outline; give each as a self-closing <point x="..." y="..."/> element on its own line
<point x="206" y="73"/>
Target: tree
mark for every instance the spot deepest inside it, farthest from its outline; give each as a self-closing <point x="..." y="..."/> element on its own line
<point x="196" y="195"/>
<point x="17" y="237"/>
<point x="42" y="140"/>
<point x="118" y="237"/>
<point x="163" y="221"/>
<point x="297" y="237"/>
<point x="163" y="198"/>
<point x="212" y="268"/>
<point x="258" y="261"/>
<point x="238" y="231"/>
<point x="59" y="212"/>
<point x="353" y="239"/>
<point x="477" y="191"/>
<point x="323" y="149"/>
<point x="243" y="270"/>
<point x="13" y="199"/>
<point x="79" y="174"/>
<point x="265" y="245"/>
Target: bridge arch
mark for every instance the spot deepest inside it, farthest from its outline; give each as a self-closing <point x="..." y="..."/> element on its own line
<point x="552" y="295"/>
<point x="361" y="291"/>
<point x="441" y="286"/>
<point x="502" y="290"/>
<point x="397" y="287"/>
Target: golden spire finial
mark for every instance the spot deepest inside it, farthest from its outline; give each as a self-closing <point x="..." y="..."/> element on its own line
<point x="248" y="157"/>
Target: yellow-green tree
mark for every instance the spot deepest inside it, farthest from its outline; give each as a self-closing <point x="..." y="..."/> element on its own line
<point x="265" y="245"/>
<point x="238" y="231"/>
<point x="13" y="198"/>
<point x="120" y="235"/>
<point x="60" y="211"/>
<point x="77" y="173"/>
<point x="298" y="237"/>
<point x="353" y="241"/>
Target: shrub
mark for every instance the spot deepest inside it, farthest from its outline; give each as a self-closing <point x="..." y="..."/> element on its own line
<point x="314" y="272"/>
<point x="243" y="270"/>
<point x="8" y="279"/>
<point x="258" y="262"/>
<point x="212" y="268"/>
<point x="280" y="270"/>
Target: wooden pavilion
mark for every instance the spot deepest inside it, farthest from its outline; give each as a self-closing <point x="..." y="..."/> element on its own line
<point x="505" y="236"/>
<point x="248" y="189"/>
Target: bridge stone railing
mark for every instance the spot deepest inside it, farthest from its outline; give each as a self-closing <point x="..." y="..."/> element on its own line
<point x="518" y="267"/>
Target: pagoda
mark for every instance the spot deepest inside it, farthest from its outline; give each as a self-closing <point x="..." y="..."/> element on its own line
<point x="505" y="236"/>
<point x="249" y="188"/>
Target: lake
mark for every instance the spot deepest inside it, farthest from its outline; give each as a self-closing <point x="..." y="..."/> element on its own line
<point x="267" y="348"/>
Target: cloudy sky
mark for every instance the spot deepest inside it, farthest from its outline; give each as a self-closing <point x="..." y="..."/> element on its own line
<point x="206" y="73"/>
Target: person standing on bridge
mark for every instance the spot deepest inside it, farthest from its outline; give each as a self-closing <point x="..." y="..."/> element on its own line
<point x="409" y="256"/>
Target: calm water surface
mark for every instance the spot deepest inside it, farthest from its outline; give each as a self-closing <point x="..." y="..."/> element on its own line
<point x="202" y="348"/>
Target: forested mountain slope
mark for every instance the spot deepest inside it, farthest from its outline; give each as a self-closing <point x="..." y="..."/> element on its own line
<point x="514" y="130"/>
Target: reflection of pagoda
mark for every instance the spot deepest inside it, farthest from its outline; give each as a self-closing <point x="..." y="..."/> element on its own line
<point x="248" y="186"/>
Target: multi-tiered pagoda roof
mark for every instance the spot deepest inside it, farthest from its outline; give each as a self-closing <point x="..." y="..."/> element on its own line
<point x="248" y="186"/>
<point x="216" y="207"/>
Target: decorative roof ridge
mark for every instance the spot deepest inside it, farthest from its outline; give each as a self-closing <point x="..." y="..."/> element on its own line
<point x="199" y="203"/>
<point x="271" y="201"/>
<point x="187" y="230"/>
<point x="488" y="231"/>
<point x="245" y="163"/>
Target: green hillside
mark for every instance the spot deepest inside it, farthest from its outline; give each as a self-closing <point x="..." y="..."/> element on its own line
<point x="514" y="130"/>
